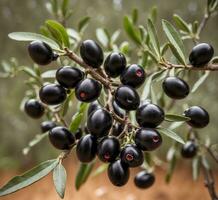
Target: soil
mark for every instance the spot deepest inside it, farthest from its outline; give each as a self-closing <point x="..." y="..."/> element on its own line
<point x="99" y="188"/>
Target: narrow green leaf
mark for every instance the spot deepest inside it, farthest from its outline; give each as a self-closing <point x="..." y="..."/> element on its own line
<point x="176" y="118"/>
<point x="60" y="178"/>
<point x="66" y="104"/>
<point x="135" y="15"/>
<point x="175" y="39"/>
<point x="153" y="37"/>
<point x="164" y="49"/>
<point x="115" y="36"/>
<point x="171" y="134"/>
<point x="200" y="81"/>
<point x="181" y="24"/>
<point x="64" y="7"/>
<point x="83" y="174"/>
<point x="124" y="47"/>
<point x="171" y="168"/>
<point x="30" y="72"/>
<point x="28" y="177"/>
<point x="132" y="32"/>
<point x="49" y="74"/>
<point x="102" y="37"/>
<point x="100" y="169"/>
<point x="83" y="23"/>
<point x="57" y="28"/>
<point x="27" y="36"/>
<point x="196" y="168"/>
<point x="153" y="14"/>
<point x="38" y="138"/>
<point x="175" y="125"/>
<point x="77" y="118"/>
<point x="147" y="87"/>
<point x="176" y="54"/>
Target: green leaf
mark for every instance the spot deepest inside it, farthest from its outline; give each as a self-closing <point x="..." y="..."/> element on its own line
<point x="83" y="174"/>
<point x="38" y="138"/>
<point x="83" y="23"/>
<point x="60" y="178"/>
<point x="175" y="39"/>
<point x="77" y="118"/>
<point x="58" y="31"/>
<point x="153" y="14"/>
<point x="102" y="37"/>
<point x="164" y="48"/>
<point x="200" y="82"/>
<point x="135" y="15"/>
<point x="132" y="32"/>
<point x="28" y="177"/>
<point x="147" y="87"/>
<point x="171" y="168"/>
<point x="153" y="37"/>
<point x="176" y="54"/>
<point x="115" y="36"/>
<point x="176" y="118"/>
<point x="175" y="125"/>
<point x="66" y="103"/>
<point x="196" y="168"/>
<point x="49" y="74"/>
<point x="181" y="24"/>
<point x="27" y="36"/>
<point x="171" y="134"/>
<point x="64" y="7"/>
<point x="124" y="47"/>
<point x="100" y="169"/>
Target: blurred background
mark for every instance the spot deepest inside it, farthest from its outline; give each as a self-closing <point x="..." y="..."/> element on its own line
<point x="16" y="128"/>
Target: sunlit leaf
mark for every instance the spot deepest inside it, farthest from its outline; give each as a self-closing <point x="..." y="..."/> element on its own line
<point x="200" y="81"/>
<point x="173" y="118"/>
<point x="28" y="177"/>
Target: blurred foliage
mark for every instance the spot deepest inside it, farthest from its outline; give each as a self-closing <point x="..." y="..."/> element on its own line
<point x="16" y="128"/>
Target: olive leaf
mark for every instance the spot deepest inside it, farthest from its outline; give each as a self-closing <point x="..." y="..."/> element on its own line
<point x="171" y="168"/>
<point x="181" y="24"/>
<point x="66" y="103"/>
<point x="100" y="169"/>
<point x="200" y="81"/>
<point x="29" y="177"/>
<point x="49" y="74"/>
<point x="130" y="29"/>
<point x="173" y="117"/>
<point x="83" y="174"/>
<point x="27" y="36"/>
<point x="153" y="37"/>
<point x="175" y="40"/>
<point x="77" y="118"/>
<point x="60" y="178"/>
<point x="58" y="31"/>
<point x="196" y="168"/>
<point x="135" y="15"/>
<point x="171" y="134"/>
<point x="102" y="37"/>
<point x="83" y="23"/>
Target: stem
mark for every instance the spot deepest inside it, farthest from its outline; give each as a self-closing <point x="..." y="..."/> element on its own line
<point x="209" y="182"/>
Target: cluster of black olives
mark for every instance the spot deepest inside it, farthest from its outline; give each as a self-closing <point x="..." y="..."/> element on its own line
<point x="102" y="131"/>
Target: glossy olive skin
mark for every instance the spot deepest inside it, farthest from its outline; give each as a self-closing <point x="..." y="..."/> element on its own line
<point x="93" y="106"/>
<point x="144" y="180"/>
<point x="99" y="122"/>
<point x="61" y="138"/>
<point x="189" y="149"/>
<point x="175" y="88"/>
<point x="149" y="115"/>
<point x="68" y="76"/>
<point x="148" y="139"/>
<point x="86" y="148"/>
<point x="108" y="149"/>
<point x="119" y="111"/>
<point x="91" y="53"/>
<point x="52" y="94"/>
<point x="132" y="155"/>
<point x="133" y="75"/>
<point x="198" y="115"/>
<point x="117" y="129"/>
<point x="127" y="98"/>
<point x="34" y="108"/>
<point x="118" y="173"/>
<point x="114" y="64"/>
<point x="47" y="126"/>
<point x="88" y="90"/>
<point x="201" y="54"/>
<point x="41" y="53"/>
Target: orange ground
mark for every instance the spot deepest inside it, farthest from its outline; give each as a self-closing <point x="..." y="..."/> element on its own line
<point x="99" y="188"/>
